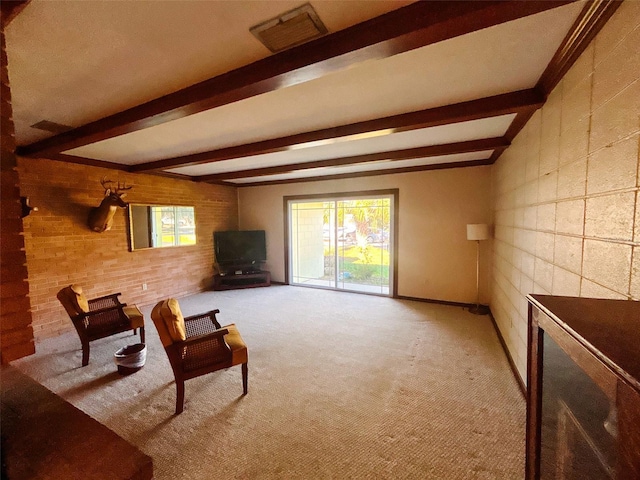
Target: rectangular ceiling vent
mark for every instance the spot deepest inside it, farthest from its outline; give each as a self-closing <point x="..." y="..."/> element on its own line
<point x="290" y="29"/>
<point x="52" y="127"/>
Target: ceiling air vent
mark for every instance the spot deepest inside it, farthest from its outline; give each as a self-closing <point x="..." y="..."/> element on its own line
<point x="292" y="28"/>
<point x="52" y="127"/>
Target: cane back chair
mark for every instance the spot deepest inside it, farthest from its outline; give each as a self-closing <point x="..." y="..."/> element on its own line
<point x="99" y="317"/>
<point x="197" y="345"/>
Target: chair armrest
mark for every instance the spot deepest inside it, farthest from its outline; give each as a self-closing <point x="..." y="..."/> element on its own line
<point x="211" y="314"/>
<point x="202" y="323"/>
<point x="111" y="295"/>
<point x="105" y="309"/>
<point x="203" y="338"/>
<point x="99" y="311"/>
<point x="105" y="301"/>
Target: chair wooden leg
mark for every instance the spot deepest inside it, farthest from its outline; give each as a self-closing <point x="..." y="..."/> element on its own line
<point x="245" y="378"/>
<point x="85" y="353"/>
<point x="179" y="396"/>
<point x="141" y="334"/>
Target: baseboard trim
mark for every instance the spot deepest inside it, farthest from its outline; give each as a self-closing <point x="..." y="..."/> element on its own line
<point x="512" y="364"/>
<point x="431" y="300"/>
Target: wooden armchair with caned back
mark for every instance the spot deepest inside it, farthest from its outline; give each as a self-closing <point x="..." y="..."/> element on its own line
<point x="197" y="345"/>
<point x="99" y="317"/>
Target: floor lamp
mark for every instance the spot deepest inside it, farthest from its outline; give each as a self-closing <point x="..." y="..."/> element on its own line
<point x="477" y="232"/>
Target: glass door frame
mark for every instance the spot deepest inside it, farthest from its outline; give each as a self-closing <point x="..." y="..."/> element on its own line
<point x="394" y="193"/>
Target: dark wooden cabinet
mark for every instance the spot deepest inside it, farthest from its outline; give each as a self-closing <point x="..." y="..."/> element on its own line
<point x="241" y="280"/>
<point x="583" y="400"/>
<point x="45" y="437"/>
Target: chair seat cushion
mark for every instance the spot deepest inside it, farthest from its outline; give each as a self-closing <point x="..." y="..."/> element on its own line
<point x="238" y="348"/>
<point x="134" y="314"/>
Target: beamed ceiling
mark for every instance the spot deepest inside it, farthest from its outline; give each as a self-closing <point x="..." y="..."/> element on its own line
<point x="184" y="89"/>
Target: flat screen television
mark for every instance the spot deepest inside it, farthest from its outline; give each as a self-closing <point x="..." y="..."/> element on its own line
<point x="240" y="247"/>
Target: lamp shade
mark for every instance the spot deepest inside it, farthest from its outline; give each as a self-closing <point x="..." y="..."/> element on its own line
<point x="478" y="231"/>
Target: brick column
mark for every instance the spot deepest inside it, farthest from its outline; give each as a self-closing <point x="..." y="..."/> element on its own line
<point x="15" y="308"/>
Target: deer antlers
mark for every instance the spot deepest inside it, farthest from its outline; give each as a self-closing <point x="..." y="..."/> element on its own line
<point x="107" y="188"/>
<point x="101" y="218"/>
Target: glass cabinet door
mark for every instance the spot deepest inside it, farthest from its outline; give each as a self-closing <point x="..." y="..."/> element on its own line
<point x="578" y="421"/>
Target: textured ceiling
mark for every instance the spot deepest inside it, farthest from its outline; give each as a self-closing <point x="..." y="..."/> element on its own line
<point x="406" y="92"/>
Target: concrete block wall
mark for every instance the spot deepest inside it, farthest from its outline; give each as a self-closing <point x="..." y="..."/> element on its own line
<point x="566" y="193"/>
<point x="61" y="249"/>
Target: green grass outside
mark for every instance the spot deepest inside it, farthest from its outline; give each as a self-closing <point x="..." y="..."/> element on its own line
<point x="370" y="254"/>
<point x="367" y="265"/>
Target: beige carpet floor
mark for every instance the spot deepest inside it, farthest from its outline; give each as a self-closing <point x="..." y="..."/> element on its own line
<point x="341" y="386"/>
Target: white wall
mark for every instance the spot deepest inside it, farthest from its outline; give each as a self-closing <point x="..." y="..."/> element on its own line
<point x="435" y="259"/>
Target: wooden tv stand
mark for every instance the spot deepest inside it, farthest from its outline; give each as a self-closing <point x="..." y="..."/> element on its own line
<point x="232" y="281"/>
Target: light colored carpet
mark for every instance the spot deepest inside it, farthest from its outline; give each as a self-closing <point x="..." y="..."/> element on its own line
<point x="341" y="386"/>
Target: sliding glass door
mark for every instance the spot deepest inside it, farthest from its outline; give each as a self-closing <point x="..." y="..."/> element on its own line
<point x="342" y="243"/>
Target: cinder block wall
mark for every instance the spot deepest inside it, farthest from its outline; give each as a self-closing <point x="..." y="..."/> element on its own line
<point x="62" y="250"/>
<point x="566" y="193"/>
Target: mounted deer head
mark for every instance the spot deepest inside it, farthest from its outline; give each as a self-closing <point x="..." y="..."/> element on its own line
<point x="101" y="218"/>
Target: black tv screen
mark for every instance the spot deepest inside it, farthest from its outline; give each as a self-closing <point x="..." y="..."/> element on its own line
<point x="240" y="247"/>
